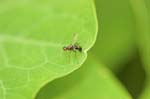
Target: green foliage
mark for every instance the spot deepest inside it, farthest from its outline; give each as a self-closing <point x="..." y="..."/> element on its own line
<point x="141" y="10"/>
<point x="33" y="64"/>
<point x="115" y="43"/>
<point x="32" y="35"/>
<point x="91" y="81"/>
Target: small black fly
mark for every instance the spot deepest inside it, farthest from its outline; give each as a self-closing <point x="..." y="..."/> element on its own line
<point x="73" y="47"/>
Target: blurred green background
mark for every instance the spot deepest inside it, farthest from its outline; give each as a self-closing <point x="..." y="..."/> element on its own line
<point x="124" y="40"/>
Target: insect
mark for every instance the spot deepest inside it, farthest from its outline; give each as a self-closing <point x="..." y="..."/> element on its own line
<point x="73" y="47"/>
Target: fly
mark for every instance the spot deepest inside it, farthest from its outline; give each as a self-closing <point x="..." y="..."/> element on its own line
<point x="73" y="47"/>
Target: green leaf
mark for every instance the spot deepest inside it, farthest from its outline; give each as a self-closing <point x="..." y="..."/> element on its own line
<point x="141" y="9"/>
<point x="91" y="81"/>
<point x="32" y="35"/>
<point x="115" y="43"/>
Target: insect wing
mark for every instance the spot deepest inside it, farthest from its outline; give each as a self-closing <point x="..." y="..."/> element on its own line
<point x="75" y="37"/>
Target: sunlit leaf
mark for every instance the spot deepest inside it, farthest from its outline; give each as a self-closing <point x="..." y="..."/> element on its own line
<point x="32" y="35"/>
<point x="91" y="81"/>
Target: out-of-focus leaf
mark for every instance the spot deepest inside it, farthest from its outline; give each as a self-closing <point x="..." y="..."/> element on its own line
<point x="141" y="9"/>
<point x="32" y="35"/>
<point x="132" y="76"/>
<point x="92" y="81"/>
<point x="115" y="42"/>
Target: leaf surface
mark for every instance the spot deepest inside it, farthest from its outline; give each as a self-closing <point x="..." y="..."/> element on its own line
<point x="32" y="35"/>
<point x="91" y="81"/>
